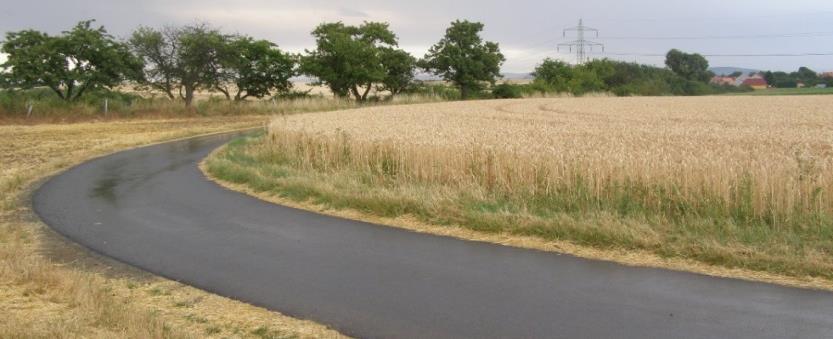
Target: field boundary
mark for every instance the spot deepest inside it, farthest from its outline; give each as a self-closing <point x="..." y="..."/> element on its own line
<point x="634" y="258"/>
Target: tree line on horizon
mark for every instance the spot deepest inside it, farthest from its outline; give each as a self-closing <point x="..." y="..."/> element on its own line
<point x="178" y="61"/>
<point x="351" y="60"/>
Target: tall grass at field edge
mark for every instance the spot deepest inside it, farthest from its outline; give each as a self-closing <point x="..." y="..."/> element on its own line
<point x="620" y="214"/>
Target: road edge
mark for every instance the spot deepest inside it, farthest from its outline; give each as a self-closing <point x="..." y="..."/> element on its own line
<point x="622" y="257"/>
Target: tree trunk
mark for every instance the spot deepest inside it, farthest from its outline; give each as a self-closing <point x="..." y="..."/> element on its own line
<point x="226" y="92"/>
<point x="366" y="91"/>
<point x="356" y="93"/>
<point x="464" y="92"/>
<point x="58" y="92"/>
<point x="189" y="96"/>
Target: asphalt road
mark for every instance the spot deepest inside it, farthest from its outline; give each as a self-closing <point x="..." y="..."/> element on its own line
<point x="152" y="208"/>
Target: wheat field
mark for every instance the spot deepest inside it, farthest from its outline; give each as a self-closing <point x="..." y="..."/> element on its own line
<point x="782" y="149"/>
<point x="735" y="181"/>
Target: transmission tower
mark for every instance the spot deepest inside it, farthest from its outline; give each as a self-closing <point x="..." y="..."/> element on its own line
<point x="580" y="45"/>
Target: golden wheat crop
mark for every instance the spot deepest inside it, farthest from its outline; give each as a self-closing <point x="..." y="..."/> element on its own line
<point x="776" y="151"/>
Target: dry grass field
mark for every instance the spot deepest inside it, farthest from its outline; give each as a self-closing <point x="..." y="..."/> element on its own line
<point x="50" y="288"/>
<point x="737" y="182"/>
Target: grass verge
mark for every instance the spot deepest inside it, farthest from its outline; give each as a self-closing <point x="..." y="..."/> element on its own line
<point x="51" y="288"/>
<point x="704" y="245"/>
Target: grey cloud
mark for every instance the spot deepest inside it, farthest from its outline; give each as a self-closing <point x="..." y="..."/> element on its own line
<point x="527" y="30"/>
<point x="347" y="12"/>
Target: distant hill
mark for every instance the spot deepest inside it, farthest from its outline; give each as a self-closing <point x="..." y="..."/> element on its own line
<point x="723" y="71"/>
<point x="517" y="76"/>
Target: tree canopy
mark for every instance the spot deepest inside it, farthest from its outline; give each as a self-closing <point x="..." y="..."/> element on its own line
<point x="351" y="59"/>
<point x="804" y="75"/>
<point x="77" y="61"/>
<point x="463" y="58"/>
<point x="254" y="68"/>
<point x="554" y="73"/>
<point x="399" y="68"/>
<point x="180" y="60"/>
<point x="689" y="66"/>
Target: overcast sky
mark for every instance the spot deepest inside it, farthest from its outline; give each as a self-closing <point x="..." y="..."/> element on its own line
<point x="527" y="30"/>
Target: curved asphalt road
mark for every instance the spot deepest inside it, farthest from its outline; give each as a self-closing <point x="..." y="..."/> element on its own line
<point x="152" y="208"/>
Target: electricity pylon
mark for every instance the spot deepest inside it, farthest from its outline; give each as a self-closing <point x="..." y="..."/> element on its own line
<point x="580" y="44"/>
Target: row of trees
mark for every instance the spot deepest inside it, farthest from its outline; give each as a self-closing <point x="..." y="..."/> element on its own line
<point x="804" y="75"/>
<point x="180" y="61"/>
<point x="686" y="74"/>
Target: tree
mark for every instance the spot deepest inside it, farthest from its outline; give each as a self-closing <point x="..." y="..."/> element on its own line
<point x="463" y="58"/>
<point x="585" y="80"/>
<point x="255" y="68"/>
<point x="555" y="74"/>
<point x="399" y="70"/>
<point x="780" y="79"/>
<point x="71" y="64"/>
<point x="351" y="59"/>
<point x="180" y="60"/>
<point x="806" y="75"/>
<point x="688" y="66"/>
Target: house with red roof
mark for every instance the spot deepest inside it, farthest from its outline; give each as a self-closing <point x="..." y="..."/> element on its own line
<point x="755" y="82"/>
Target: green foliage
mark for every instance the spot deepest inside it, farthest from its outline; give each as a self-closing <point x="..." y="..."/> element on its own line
<point x="780" y="80"/>
<point x="80" y="60"/>
<point x="804" y="75"/>
<point x="621" y="79"/>
<point x="399" y="68"/>
<point x="464" y="59"/>
<point x="255" y="68"/>
<point x="180" y="60"/>
<point x="507" y="91"/>
<point x="555" y="74"/>
<point x="434" y="90"/>
<point x="351" y="59"/>
<point x="44" y="101"/>
<point x="689" y="66"/>
<point x="586" y="79"/>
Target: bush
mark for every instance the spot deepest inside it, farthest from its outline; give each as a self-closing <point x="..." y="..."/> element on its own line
<point x="439" y="90"/>
<point x="507" y="91"/>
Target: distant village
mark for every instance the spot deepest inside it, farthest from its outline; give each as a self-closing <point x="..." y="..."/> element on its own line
<point x="764" y="80"/>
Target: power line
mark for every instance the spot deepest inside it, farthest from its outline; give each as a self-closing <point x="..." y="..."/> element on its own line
<point x="724" y="37"/>
<point x="551" y="41"/>
<point x="727" y="55"/>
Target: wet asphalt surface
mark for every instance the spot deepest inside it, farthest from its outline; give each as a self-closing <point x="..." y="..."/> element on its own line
<point x="152" y="208"/>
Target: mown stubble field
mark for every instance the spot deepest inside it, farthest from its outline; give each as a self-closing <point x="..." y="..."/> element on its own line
<point x="736" y="182"/>
<point x="50" y="288"/>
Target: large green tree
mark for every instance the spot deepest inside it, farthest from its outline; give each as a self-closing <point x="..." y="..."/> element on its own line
<point x="180" y="60"/>
<point x="399" y="70"/>
<point x="351" y="59"/>
<point x="689" y="66"/>
<point x="554" y="74"/>
<point x="464" y="59"/>
<point x="806" y="75"/>
<point x="71" y="64"/>
<point x="254" y="68"/>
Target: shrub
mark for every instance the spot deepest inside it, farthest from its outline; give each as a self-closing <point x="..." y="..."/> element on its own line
<point x="507" y="91"/>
